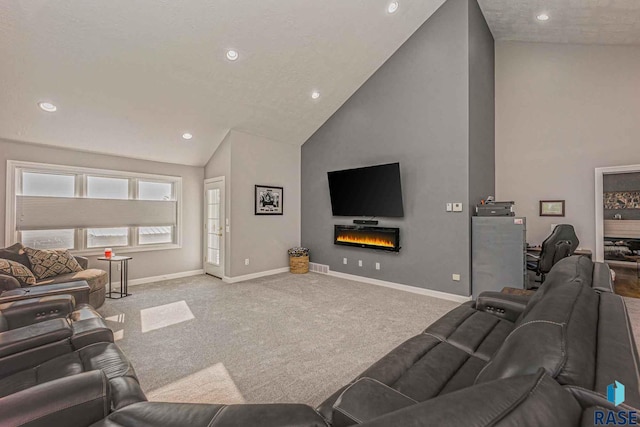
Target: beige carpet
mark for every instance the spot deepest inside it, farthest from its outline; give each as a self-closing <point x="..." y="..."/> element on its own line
<point x="283" y="338"/>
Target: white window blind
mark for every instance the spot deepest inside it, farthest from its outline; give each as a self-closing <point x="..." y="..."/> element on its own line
<point x="36" y="212"/>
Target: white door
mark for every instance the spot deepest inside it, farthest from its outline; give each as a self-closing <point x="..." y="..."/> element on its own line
<point x="214" y="227"/>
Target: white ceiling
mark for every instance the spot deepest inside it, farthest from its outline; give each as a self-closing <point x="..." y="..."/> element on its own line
<point x="129" y="77"/>
<point x="571" y="21"/>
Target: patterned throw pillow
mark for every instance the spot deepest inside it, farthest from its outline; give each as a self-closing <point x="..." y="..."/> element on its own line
<point x="18" y="271"/>
<point x="49" y="263"/>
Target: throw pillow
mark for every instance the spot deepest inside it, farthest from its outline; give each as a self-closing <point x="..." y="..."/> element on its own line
<point x="18" y="271"/>
<point x="53" y="262"/>
<point x="15" y="253"/>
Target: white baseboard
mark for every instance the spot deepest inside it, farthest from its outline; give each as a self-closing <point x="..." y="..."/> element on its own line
<point x="237" y="279"/>
<point x="151" y="279"/>
<point x="401" y="287"/>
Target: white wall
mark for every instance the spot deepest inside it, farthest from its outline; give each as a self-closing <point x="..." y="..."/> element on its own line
<point x="144" y="264"/>
<point x="561" y="111"/>
<point x="264" y="239"/>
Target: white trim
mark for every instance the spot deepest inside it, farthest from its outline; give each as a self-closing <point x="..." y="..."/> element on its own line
<point x="151" y="279"/>
<point x="401" y="287"/>
<point x="599" y="173"/>
<point x="237" y="279"/>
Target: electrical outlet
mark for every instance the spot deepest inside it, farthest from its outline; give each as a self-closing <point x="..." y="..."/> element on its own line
<point x="344" y="261"/>
<point x="359" y="263"/>
<point x="455" y="277"/>
<point x="457" y="207"/>
<point x="449" y="207"/>
<point x="377" y="266"/>
<point x="246" y="261"/>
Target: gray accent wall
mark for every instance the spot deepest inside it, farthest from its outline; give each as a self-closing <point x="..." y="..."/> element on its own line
<point x="414" y="110"/>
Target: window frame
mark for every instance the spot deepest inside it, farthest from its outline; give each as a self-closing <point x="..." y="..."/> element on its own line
<point x="14" y="188"/>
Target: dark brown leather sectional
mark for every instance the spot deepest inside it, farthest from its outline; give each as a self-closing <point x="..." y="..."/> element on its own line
<point x="503" y="360"/>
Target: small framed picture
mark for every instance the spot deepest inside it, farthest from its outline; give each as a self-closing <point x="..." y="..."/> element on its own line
<point x="268" y="200"/>
<point x="551" y="207"/>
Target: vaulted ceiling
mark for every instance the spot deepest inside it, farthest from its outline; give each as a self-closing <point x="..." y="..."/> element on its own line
<point x="130" y="77"/>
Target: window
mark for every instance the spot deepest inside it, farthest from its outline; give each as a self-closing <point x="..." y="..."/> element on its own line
<point x="87" y="210"/>
<point x="49" y="239"/>
<point x="107" y="188"/>
<point x="107" y="237"/>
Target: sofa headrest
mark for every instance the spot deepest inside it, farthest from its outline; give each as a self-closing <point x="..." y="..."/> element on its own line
<point x="558" y="334"/>
<point x="574" y="269"/>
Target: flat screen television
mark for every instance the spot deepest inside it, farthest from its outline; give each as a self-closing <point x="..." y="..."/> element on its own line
<point x="371" y="191"/>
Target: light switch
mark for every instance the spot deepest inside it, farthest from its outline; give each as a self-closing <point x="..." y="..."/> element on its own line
<point x="457" y="207"/>
<point x="449" y="207"/>
<point x="359" y="263"/>
<point x="344" y="260"/>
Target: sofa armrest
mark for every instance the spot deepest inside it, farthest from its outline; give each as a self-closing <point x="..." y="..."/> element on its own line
<point x="199" y="415"/>
<point x="34" y="310"/>
<point x="365" y="400"/>
<point x="38" y="335"/>
<point x="74" y="401"/>
<point x="8" y="283"/>
<point x="78" y="289"/>
<point x="83" y="261"/>
<point x="504" y="306"/>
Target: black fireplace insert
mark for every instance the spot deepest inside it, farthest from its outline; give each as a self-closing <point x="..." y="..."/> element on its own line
<point x="383" y="238"/>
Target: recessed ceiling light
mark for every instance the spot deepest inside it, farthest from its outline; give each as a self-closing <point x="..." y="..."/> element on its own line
<point x="393" y="6"/>
<point x="48" y="107"/>
<point x="232" y="55"/>
<point x="315" y="94"/>
<point x="542" y="17"/>
<point x="187" y="136"/>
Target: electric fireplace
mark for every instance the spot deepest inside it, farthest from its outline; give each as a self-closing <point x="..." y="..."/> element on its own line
<point x="384" y="238"/>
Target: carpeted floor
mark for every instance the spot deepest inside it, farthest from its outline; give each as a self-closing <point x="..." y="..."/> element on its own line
<point x="282" y="338"/>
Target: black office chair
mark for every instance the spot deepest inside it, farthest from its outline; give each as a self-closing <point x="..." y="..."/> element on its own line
<point x="561" y="243"/>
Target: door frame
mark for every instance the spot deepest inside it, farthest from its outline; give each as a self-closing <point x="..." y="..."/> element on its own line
<point x="223" y="222"/>
<point x="600" y="172"/>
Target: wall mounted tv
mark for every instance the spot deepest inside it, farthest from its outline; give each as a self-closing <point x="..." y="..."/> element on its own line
<point x="371" y="191"/>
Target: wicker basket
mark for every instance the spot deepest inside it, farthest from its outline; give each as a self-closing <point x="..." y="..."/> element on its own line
<point x="299" y="264"/>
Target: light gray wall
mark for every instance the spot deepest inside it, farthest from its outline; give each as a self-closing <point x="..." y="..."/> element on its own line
<point x="264" y="239"/>
<point x="248" y="160"/>
<point x="413" y="110"/>
<point x="561" y="111"/>
<point x="220" y="165"/>
<point x="144" y="264"/>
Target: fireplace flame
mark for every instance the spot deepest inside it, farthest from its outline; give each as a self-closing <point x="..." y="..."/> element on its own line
<point x="366" y="240"/>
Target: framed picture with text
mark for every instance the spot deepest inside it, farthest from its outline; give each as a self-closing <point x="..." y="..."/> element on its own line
<point x="268" y="200"/>
<point x="551" y="207"/>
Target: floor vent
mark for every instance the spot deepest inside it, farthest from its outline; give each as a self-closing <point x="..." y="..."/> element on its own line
<point x="319" y="268"/>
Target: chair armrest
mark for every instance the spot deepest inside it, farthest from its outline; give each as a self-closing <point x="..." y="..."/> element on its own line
<point x="38" y="335"/>
<point x="34" y="310"/>
<point x="365" y="400"/>
<point x="75" y="401"/>
<point x="8" y="283"/>
<point x="83" y="261"/>
<point x="504" y="306"/>
<point x="79" y="289"/>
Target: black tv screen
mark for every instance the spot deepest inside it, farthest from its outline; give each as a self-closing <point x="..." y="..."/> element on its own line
<point x="370" y="191"/>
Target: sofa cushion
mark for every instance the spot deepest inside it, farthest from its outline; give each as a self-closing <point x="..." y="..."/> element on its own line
<point x="53" y="262"/>
<point x="16" y="253"/>
<point x="559" y="334"/>
<point x="95" y="278"/>
<point x="19" y="271"/>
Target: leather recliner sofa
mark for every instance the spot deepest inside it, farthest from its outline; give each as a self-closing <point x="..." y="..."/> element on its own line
<point x="50" y="338"/>
<point x="502" y="360"/>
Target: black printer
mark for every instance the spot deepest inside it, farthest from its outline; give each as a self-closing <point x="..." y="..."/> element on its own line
<point x="495" y="209"/>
